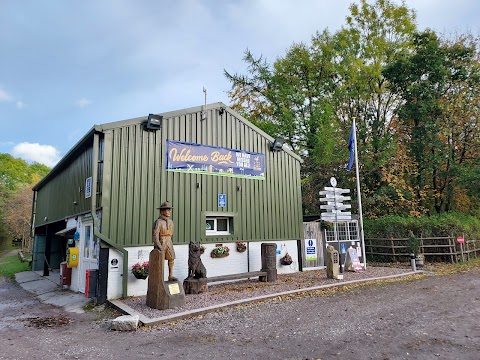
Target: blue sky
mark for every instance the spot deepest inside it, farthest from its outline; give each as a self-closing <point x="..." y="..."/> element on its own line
<point x="67" y="65"/>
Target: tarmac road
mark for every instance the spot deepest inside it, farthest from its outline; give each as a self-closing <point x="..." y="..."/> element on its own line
<point x="436" y="317"/>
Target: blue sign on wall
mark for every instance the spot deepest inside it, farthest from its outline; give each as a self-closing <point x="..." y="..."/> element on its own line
<point x="222" y="200"/>
<point x="212" y="160"/>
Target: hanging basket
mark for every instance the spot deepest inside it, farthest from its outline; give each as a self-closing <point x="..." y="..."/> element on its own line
<point x="214" y="255"/>
<point x="140" y="276"/>
<point x="140" y="270"/>
<point x="241" y="246"/>
<point x="286" y="260"/>
<point x="220" y="252"/>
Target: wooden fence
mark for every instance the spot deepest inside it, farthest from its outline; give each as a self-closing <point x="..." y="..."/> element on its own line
<point x="444" y="249"/>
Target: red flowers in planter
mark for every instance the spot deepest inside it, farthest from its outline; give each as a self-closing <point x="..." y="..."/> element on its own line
<point x="140" y="270"/>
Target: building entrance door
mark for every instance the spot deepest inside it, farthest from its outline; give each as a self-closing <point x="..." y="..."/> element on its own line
<point x="90" y="248"/>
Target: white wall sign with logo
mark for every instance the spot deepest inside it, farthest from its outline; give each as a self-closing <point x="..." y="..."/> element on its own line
<point x="311" y="249"/>
<point x="88" y="188"/>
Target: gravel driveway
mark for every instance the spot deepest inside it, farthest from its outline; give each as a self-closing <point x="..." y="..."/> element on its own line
<point x="434" y="317"/>
<point x="247" y="289"/>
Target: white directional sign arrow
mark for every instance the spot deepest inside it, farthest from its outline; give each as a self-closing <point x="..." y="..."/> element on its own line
<point x="334" y="217"/>
<point x="334" y="204"/>
<point x="335" y="190"/>
<point x="337" y="206"/>
<point x="338" y="198"/>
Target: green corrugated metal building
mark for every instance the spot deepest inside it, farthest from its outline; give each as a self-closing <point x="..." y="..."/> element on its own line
<point x="104" y="194"/>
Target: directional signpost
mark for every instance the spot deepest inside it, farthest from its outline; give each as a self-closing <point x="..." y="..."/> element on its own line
<point x="335" y="208"/>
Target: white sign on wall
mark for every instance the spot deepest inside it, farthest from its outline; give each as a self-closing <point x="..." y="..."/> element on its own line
<point x="311" y="249"/>
<point x="88" y="188"/>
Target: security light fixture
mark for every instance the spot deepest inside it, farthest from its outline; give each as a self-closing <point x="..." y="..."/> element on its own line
<point x="154" y="122"/>
<point x="276" y="145"/>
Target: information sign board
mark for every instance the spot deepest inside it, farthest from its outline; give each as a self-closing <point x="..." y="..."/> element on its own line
<point x="311" y="249"/>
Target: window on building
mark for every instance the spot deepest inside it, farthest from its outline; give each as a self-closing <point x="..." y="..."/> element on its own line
<point x="218" y="225"/>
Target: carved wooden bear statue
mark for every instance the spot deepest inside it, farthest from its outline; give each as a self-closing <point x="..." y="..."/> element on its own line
<point x="196" y="269"/>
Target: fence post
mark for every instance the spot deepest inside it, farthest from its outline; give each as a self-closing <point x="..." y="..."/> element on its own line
<point x="422" y="250"/>
<point x="450" y="249"/>
<point x="467" y="248"/>
<point x="393" y="249"/>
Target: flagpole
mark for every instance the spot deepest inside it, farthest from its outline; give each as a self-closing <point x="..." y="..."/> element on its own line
<point x="359" y="195"/>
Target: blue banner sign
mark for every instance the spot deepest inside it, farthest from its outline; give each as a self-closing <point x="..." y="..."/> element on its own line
<point x="212" y="160"/>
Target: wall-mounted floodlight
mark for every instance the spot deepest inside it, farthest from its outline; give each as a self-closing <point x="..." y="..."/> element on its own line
<point x="276" y="145"/>
<point x="154" y="122"/>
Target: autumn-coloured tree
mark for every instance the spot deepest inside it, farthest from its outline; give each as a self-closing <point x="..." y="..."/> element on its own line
<point x="310" y="96"/>
<point x="17" y="177"/>
<point x="18" y="214"/>
<point x="440" y="85"/>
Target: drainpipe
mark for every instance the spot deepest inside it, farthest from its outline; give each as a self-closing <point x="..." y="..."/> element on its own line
<point x="32" y="218"/>
<point x="96" y="231"/>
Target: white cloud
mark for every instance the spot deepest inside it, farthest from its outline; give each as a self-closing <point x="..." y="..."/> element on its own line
<point x="5" y="96"/>
<point x="34" y="152"/>
<point x="83" y="102"/>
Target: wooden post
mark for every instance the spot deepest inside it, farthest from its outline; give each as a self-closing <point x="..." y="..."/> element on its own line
<point x="162" y="294"/>
<point x="467" y="249"/>
<point x="450" y="249"/>
<point x="421" y="246"/>
<point x="269" y="262"/>
<point x="393" y="249"/>
<point x="456" y="251"/>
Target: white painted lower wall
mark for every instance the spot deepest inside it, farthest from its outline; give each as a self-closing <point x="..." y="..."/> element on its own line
<point x="236" y="262"/>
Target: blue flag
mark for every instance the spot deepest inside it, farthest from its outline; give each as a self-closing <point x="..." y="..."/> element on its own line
<point x="351" y="148"/>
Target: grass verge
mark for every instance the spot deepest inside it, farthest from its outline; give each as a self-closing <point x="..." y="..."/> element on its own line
<point x="10" y="265"/>
<point x="448" y="269"/>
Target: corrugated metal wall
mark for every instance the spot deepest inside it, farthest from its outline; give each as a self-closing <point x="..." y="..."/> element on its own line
<point x="136" y="182"/>
<point x="55" y="200"/>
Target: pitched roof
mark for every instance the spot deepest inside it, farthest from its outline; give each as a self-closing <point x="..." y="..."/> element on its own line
<point x="87" y="139"/>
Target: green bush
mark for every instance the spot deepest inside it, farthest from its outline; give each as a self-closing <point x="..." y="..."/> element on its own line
<point x="448" y="224"/>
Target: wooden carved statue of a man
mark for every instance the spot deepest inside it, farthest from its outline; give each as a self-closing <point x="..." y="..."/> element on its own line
<point x="162" y="236"/>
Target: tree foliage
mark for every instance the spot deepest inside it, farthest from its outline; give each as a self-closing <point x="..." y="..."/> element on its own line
<point x="414" y="96"/>
<point x="439" y="83"/>
<point x="17" y="177"/>
<point x="17" y="215"/>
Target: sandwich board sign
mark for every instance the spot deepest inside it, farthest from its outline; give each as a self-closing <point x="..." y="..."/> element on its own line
<point x="352" y="263"/>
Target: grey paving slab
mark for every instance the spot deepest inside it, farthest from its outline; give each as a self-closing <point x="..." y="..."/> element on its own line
<point x="77" y="307"/>
<point x="40" y="286"/>
<point x="72" y="303"/>
<point x="46" y="296"/>
<point x="26" y="276"/>
<point x="48" y="290"/>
